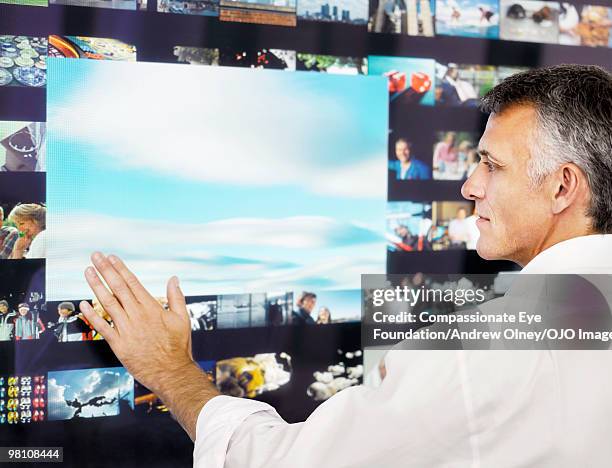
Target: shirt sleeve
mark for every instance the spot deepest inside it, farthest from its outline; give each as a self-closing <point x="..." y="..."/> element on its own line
<point x="218" y="420"/>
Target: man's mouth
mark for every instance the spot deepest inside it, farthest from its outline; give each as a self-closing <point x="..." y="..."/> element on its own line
<point x="482" y="220"/>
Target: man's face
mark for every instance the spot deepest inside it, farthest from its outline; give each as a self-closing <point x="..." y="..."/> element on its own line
<point x="402" y="151"/>
<point x="514" y="216"/>
<point x="308" y="304"/>
<point x="3" y="309"/>
<point x="64" y="312"/>
<point x="23" y="310"/>
<point x="461" y="213"/>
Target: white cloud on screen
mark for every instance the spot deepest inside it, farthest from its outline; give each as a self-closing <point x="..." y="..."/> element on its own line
<point x="279" y="253"/>
<point x="174" y="132"/>
<point x="94" y="383"/>
<point x="57" y="401"/>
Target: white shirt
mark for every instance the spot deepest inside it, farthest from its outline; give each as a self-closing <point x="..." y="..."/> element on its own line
<point x="441" y="409"/>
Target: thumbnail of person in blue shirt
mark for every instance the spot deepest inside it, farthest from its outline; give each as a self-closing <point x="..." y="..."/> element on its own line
<point x="406" y="167"/>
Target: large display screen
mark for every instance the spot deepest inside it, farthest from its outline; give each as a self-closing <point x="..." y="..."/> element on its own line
<point x="257" y="150"/>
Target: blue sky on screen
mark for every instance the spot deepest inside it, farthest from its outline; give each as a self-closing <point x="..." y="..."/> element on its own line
<point x="235" y="180"/>
<point x="358" y="8"/>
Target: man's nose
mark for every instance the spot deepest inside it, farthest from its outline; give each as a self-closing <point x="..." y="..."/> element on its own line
<point x="473" y="187"/>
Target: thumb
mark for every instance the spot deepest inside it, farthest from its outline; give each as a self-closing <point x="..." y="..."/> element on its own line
<point x="176" y="299"/>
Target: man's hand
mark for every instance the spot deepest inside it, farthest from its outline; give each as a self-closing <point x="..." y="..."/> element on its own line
<point x="152" y="343"/>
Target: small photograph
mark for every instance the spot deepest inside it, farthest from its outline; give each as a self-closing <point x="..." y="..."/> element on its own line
<point x="23" y="231"/>
<point x="202" y="313"/>
<point x="410" y="79"/>
<point x="279" y="307"/>
<point x="455" y="155"/>
<point x="90" y="48"/>
<point x="277" y="13"/>
<point x="251" y="376"/>
<point x="326" y="307"/>
<point x="148" y="403"/>
<point x="529" y="21"/>
<point x="411" y="17"/>
<point x="592" y="27"/>
<point x="40" y="3"/>
<point x="67" y="323"/>
<point x="26" y="324"/>
<point x="22" y="300"/>
<point x="23" y="399"/>
<point x="191" y="7"/>
<point x="460" y="85"/>
<point x="90" y="393"/>
<point x="468" y="18"/>
<point x="415" y="227"/>
<point x="408" y="226"/>
<point x="241" y="310"/>
<point x="22" y="146"/>
<point x="196" y="55"/>
<point x="347" y="372"/>
<point x="276" y="59"/>
<point x="404" y="164"/>
<point x="23" y="61"/>
<point x="339" y="11"/>
<point x="332" y="64"/>
<point x="458" y="221"/>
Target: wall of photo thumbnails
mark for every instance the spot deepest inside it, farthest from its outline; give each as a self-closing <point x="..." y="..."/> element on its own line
<point x="59" y="383"/>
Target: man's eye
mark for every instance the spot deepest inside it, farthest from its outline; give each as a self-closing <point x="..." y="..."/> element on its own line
<point x="490" y="166"/>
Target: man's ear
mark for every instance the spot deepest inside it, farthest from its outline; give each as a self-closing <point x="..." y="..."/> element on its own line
<point x="571" y="187"/>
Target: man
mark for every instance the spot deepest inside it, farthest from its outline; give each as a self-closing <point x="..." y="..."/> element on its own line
<point x="454" y="91"/>
<point x="28" y="326"/>
<point x="8" y="237"/>
<point x="543" y="192"/>
<point x="6" y="324"/>
<point x="458" y="229"/>
<point x="306" y="304"/>
<point x="69" y="327"/>
<point x="406" y="167"/>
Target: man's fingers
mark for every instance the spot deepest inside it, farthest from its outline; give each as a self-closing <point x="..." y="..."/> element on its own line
<point x="138" y="290"/>
<point x="115" y="282"/>
<point x="176" y="299"/>
<point x="101" y="325"/>
<point x="107" y="300"/>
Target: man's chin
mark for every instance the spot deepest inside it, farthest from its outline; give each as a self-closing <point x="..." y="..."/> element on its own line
<point x="487" y="251"/>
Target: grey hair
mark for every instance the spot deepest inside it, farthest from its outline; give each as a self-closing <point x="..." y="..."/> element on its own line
<point x="573" y="105"/>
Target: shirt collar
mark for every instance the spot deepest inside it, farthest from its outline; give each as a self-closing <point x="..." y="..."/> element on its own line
<point x="580" y="255"/>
